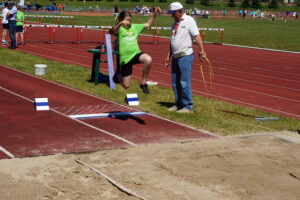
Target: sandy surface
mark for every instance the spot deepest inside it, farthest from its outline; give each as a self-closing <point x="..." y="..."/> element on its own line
<point x="257" y="167"/>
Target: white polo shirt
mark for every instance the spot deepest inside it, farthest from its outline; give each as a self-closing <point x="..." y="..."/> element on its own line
<point x="13" y="11"/>
<point x="183" y="35"/>
<point x="4" y="13"/>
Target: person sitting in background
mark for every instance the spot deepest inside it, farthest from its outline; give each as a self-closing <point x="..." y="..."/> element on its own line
<point x="97" y="8"/>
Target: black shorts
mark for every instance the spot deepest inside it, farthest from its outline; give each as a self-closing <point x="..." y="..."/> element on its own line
<point x="126" y="70"/>
<point x="19" y="29"/>
<point x="5" y="26"/>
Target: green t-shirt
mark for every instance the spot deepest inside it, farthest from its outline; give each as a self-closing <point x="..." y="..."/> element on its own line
<point x="128" y="44"/>
<point x="20" y="16"/>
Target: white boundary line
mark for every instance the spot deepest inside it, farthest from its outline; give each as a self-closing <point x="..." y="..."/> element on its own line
<point x="6" y="152"/>
<point x="235" y="45"/>
<point x="259" y="48"/>
<point x="81" y="122"/>
<point x="183" y="125"/>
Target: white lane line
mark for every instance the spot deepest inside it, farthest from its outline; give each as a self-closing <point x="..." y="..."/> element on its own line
<point x="258" y="48"/>
<point x="241" y="46"/>
<point x="6" y="152"/>
<point x="54" y="58"/>
<point x="86" y="124"/>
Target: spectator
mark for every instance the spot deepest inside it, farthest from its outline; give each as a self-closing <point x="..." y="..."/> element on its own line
<point x="5" y="23"/>
<point x="244" y="14"/>
<point x="198" y="12"/>
<point x="28" y="5"/>
<point x="116" y="11"/>
<point x="11" y="17"/>
<point x="19" y="25"/>
<point x="207" y="13"/>
<point x="295" y="15"/>
<point x="184" y="31"/>
<point x="273" y="17"/>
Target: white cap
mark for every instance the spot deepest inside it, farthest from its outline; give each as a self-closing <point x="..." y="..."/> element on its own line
<point x="174" y="7"/>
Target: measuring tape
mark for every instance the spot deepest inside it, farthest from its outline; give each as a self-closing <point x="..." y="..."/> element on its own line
<point x="211" y="73"/>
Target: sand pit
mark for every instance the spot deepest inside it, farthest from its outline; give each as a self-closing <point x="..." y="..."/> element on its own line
<point x="256" y="167"/>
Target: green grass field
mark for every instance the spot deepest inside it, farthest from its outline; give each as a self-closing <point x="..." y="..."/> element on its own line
<point x="164" y="5"/>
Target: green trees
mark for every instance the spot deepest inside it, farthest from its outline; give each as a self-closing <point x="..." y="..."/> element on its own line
<point x="204" y="2"/>
<point x="256" y="4"/>
<point x="245" y="4"/>
<point x="231" y="3"/>
<point x="189" y="1"/>
<point x="273" y="4"/>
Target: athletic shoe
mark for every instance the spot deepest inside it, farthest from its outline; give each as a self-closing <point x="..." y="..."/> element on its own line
<point x="144" y="87"/>
<point x="185" y="110"/>
<point x="173" y="108"/>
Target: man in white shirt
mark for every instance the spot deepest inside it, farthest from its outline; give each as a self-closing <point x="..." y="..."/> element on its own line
<point x="184" y="31"/>
<point x="4" y="24"/>
<point x="11" y="17"/>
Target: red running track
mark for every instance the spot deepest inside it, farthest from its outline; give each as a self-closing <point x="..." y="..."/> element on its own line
<point x="25" y="132"/>
<point x="262" y="79"/>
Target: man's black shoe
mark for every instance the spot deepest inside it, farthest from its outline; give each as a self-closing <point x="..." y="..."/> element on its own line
<point x="118" y="78"/>
<point x="12" y="47"/>
<point x="115" y="79"/>
<point x="144" y="87"/>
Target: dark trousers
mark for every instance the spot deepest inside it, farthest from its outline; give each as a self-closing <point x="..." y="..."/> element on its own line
<point x="12" y="33"/>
